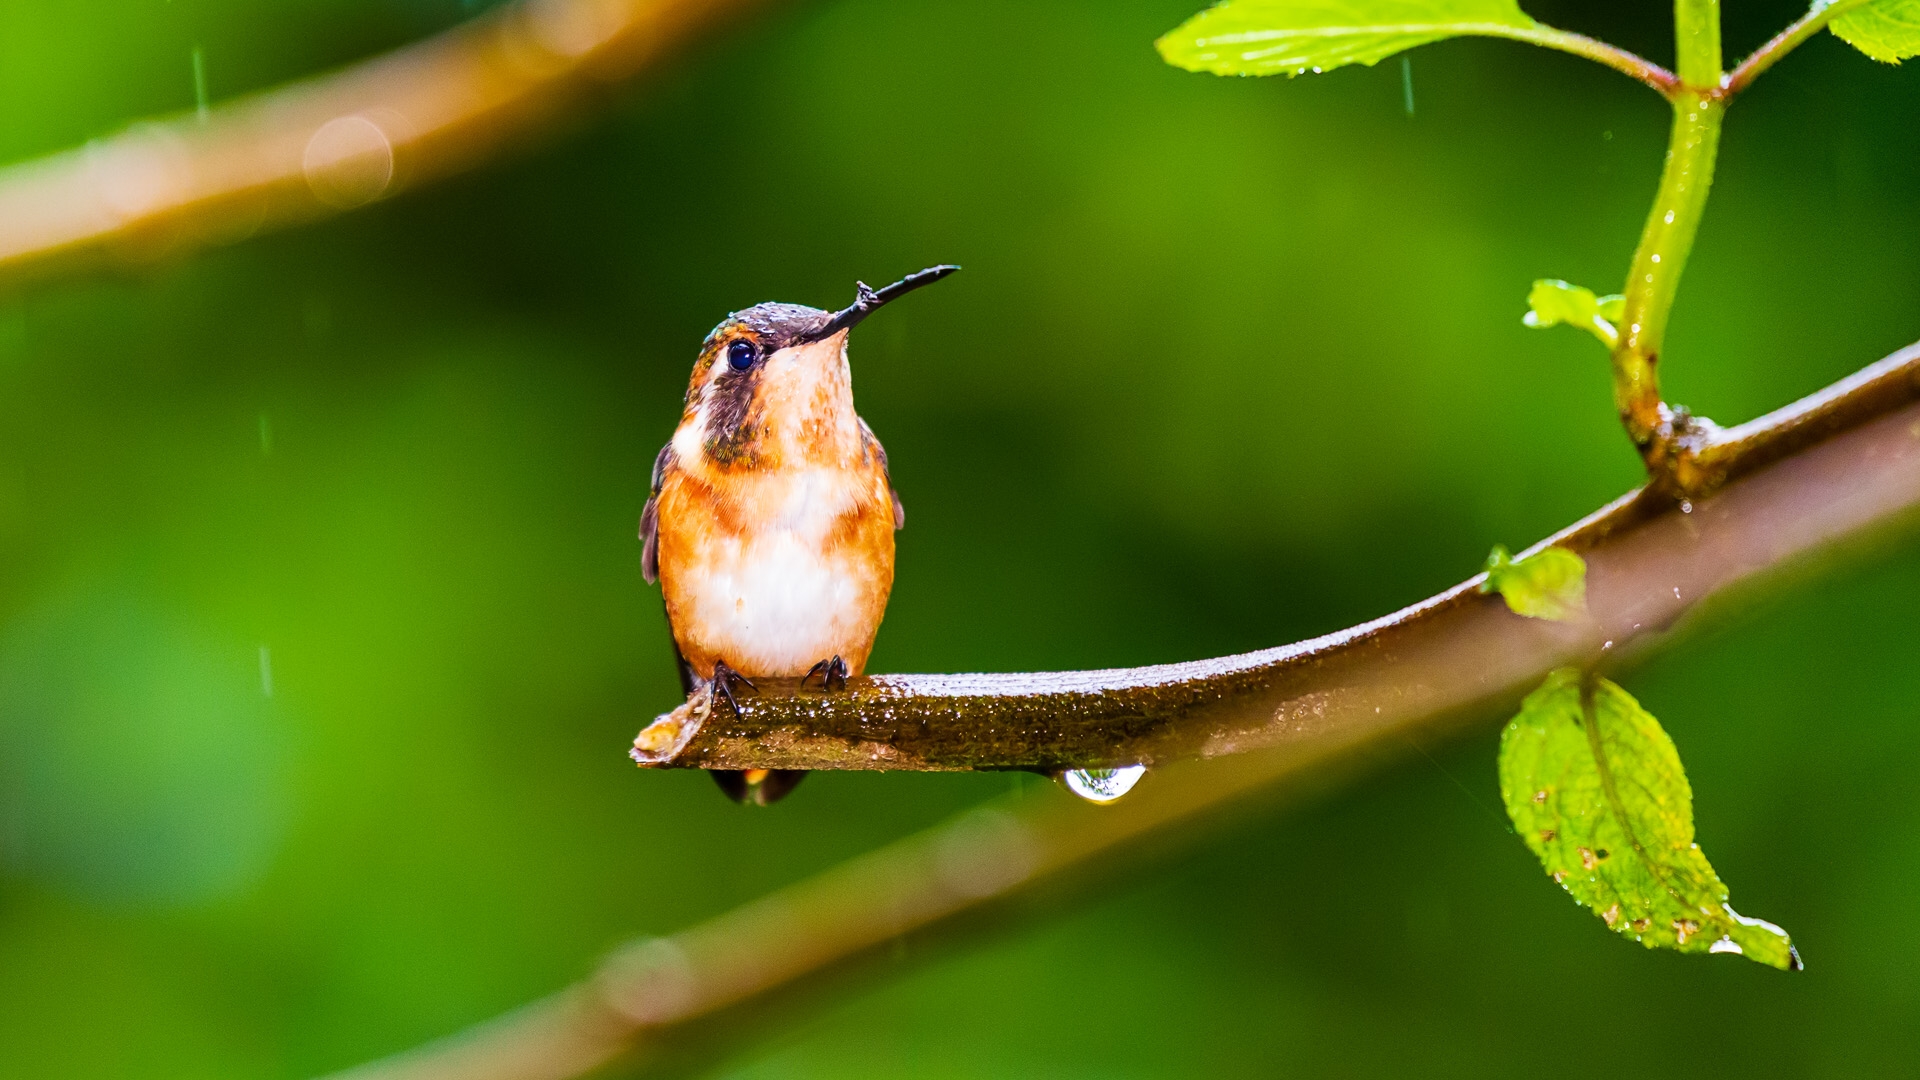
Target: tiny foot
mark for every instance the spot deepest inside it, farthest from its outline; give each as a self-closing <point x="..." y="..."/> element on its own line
<point x="831" y="672"/>
<point x="725" y="679"/>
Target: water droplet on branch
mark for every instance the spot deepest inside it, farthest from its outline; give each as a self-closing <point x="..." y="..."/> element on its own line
<point x="1102" y="785"/>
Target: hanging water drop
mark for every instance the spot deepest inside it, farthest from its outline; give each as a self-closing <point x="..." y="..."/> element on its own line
<point x="1102" y="785"/>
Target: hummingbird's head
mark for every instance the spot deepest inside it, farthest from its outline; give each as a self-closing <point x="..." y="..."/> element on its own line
<point x="775" y="377"/>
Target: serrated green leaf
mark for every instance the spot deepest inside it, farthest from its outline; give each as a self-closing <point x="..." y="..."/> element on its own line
<point x="1549" y="584"/>
<point x="1292" y="37"/>
<point x="1552" y="302"/>
<point x="1887" y="30"/>
<point x="1596" y="789"/>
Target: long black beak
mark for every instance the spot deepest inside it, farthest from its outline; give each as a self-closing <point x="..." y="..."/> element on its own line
<point x="867" y="301"/>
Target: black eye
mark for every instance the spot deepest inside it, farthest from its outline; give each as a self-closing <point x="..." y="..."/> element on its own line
<point x="740" y="354"/>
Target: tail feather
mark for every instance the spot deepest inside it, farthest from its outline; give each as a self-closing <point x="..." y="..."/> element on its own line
<point x="760" y="787"/>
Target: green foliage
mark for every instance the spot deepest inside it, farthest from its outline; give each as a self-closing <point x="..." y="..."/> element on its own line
<point x="1292" y="37"/>
<point x="1596" y="789"/>
<point x="1887" y="30"/>
<point x="1549" y="584"/>
<point x="439" y="546"/>
<point x="1553" y="302"/>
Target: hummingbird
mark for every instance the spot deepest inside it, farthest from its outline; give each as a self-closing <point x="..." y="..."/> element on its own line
<point x="770" y="523"/>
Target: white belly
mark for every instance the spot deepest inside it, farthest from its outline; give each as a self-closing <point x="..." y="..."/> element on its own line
<point x="808" y="581"/>
<point x="775" y="605"/>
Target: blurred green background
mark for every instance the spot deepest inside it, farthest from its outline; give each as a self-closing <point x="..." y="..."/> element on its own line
<point x="322" y="632"/>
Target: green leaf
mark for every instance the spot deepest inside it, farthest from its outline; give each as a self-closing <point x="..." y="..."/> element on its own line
<point x="1596" y="789"/>
<point x="1292" y="37"/>
<point x="1549" y="584"/>
<point x="1552" y="302"/>
<point x="1887" y="30"/>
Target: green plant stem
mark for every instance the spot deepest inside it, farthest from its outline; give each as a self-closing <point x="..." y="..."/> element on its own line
<point x="1671" y="226"/>
<point x="1627" y="63"/>
<point x="1814" y="21"/>
<point x="1662" y="255"/>
<point x="1696" y="40"/>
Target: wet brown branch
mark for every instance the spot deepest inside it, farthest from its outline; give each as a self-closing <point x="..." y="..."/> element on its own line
<point x="1650" y="558"/>
<point x="340" y="140"/>
<point x="1835" y="466"/>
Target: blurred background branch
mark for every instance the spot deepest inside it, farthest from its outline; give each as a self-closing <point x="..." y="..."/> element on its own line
<point x="1834" y="467"/>
<point x="337" y="141"/>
